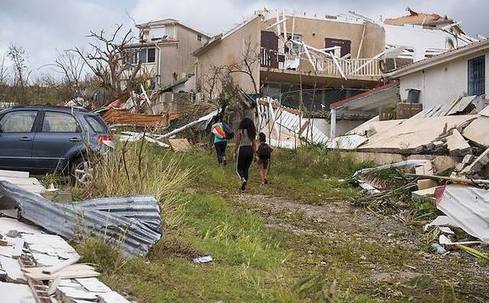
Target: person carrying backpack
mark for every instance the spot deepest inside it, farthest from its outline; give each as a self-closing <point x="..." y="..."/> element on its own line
<point x="263" y="156"/>
<point x="222" y="133"/>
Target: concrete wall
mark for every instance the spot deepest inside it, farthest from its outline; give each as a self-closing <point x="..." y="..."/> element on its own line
<point x="229" y="51"/>
<point x="177" y="57"/>
<point x="443" y="83"/>
<point x="424" y="39"/>
<point x="342" y="126"/>
<point x="314" y="32"/>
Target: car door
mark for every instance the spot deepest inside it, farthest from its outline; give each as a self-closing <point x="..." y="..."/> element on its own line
<point x="16" y="139"/>
<point x="58" y="134"/>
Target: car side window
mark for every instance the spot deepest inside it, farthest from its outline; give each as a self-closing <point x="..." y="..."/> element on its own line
<point x="18" y="121"/>
<point x="55" y="122"/>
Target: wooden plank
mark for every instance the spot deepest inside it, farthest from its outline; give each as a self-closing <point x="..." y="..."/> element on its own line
<point x="70" y="272"/>
<point x="52" y="269"/>
<point x="180" y="145"/>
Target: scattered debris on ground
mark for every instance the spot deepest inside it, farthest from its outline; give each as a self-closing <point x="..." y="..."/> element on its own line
<point x="40" y="267"/>
<point x="135" y="222"/>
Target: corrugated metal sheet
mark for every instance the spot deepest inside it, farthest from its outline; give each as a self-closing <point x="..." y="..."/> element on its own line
<point x="134" y="222"/>
<point x="467" y="206"/>
<point x="269" y="111"/>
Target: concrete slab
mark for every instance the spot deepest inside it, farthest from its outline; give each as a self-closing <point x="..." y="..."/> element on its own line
<point x="414" y="135"/>
<point x="457" y="145"/>
<point x="476" y="131"/>
<point x="16" y="293"/>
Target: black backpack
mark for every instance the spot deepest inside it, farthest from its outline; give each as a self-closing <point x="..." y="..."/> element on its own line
<point x="228" y="130"/>
<point x="264" y="151"/>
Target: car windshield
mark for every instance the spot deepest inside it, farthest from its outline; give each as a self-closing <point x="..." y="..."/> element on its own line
<point x="96" y="125"/>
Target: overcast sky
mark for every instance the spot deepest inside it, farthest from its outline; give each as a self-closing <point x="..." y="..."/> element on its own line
<point x="45" y="27"/>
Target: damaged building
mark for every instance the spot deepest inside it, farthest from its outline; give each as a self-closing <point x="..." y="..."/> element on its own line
<point x="165" y="50"/>
<point x="316" y="59"/>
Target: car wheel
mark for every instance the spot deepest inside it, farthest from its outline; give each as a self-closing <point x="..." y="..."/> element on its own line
<point x="81" y="171"/>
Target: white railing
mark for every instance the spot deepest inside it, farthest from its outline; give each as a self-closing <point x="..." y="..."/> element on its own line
<point x="351" y="68"/>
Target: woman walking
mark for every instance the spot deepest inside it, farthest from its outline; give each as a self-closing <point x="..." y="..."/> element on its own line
<point x="220" y="139"/>
<point x="245" y="149"/>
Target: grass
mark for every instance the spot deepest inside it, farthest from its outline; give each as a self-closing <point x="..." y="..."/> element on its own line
<point x="252" y="261"/>
<point x="311" y="175"/>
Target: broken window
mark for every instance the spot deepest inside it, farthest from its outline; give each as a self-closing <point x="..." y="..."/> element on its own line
<point x="18" y="122"/>
<point x="345" y="46"/>
<point x="476" y="76"/>
<point x="59" y="123"/>
<point x="294" y="48"/>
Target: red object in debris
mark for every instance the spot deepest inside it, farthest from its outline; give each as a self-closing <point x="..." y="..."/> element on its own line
<point x="117" y="103"/>
<point x="103" y="139"/>
<point x="439" y="190"/>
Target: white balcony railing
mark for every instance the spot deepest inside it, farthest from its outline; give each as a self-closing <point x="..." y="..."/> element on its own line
<point x="351" y="68"/>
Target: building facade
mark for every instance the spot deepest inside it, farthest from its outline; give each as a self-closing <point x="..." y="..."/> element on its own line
<point x="443" y="78"/>
<point x="321" y="58"/>
<point x="165" y="50"/>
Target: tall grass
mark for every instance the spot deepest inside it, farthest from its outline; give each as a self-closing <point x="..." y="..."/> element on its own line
<point x="132" y="169"/>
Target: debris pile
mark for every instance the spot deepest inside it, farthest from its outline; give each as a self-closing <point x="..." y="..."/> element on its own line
<point x="134" y="221"/>
<point x="122" y="117"/>
<point x="286" y="127"/>
<point x="40" y="267"/>
<point x="452" y="134"/>
<point x="412" y="195"/>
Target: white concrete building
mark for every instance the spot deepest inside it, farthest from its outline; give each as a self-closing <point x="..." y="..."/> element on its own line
<point x="441" y="79"/>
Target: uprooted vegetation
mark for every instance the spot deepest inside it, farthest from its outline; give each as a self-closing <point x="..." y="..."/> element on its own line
<point x="297" y="240"/>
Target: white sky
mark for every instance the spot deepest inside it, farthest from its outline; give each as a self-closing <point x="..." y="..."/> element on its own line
<point x="45" y="27"/>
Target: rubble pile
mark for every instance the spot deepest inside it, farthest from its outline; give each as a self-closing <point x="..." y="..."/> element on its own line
<point x="41" y="267"/>
<point x="455" y="131"/>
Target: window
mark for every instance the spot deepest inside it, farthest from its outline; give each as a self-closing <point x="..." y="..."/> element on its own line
<point x="96" y="125"/>
<point x="151" y="55"/>
<point x="145" y="55"/>
<point x="344" y="45"/>
<point x="142" y="55"/>
<point x="59" y="123"/>
<point x="18" y="121"/>
<point x="476" y="76"/>
<point x="199" y="37"/>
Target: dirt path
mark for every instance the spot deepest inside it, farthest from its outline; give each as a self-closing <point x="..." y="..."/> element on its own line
<point x="364" y="229"/>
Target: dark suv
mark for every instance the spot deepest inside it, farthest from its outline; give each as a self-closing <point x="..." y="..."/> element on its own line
<point x="43" y="139"/>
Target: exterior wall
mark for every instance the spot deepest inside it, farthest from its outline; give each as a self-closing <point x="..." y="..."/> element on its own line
<point x="229" y="51"/>
<point x="425" y="39"/>
<point x="342" y="126"/>
<point x="443" y="83"/>
<point x="176" y="58"/>
<point x="314" y="32"/>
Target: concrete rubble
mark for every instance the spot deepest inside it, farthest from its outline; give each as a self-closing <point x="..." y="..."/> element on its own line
<point x="452" y="137"/>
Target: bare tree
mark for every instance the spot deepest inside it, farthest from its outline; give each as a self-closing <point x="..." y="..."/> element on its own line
<point x="3" y="72"/>
<point x="110" y="61"/>
<point x="71" y="66"/>
<point x="21" y="73"/>
<point x="248" y="63"/>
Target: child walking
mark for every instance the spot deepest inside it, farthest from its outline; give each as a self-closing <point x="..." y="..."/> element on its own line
<point x="263" y="156"/>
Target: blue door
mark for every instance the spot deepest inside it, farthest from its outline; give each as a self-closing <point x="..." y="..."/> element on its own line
<point x="16" y="139"/>
<point x="58" y="136"/>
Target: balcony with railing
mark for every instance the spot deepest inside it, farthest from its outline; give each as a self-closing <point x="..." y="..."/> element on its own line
<point x="322" y="66"/>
